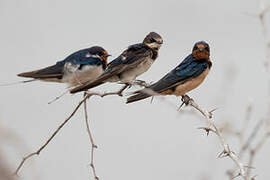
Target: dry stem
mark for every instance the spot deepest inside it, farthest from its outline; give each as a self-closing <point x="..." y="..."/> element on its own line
<point x="93" y="146"/>
<point x="86" y="96"/>
<point x="212" y="127"/>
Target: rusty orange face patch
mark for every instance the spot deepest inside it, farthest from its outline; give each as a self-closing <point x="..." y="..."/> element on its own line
<point x="200" y="54"/>
<point x="201" y="46"/>
<point x="105" y="52"/>
<point x="104" y="56"/>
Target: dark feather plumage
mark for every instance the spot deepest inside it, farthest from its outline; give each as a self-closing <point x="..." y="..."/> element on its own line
<point x="129" y="59"/>
<point x="188" y="69"/>
<point x="81" y="58"/>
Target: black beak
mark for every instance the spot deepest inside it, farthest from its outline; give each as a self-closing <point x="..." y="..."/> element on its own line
<point x="160" y="42"/>
<point x="107" y="55"/>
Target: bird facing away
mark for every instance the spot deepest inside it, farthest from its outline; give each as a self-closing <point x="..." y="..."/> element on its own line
<point x="134" y="61"/>
<point x="80" y="67"/>
<point x="188" y="75"/>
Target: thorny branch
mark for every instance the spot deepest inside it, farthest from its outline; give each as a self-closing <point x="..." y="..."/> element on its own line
<point x="247" y="145"/>
<point x="86" y="96"/>
<point x="93" y="145"/>
<point x="52" y="136"/>
<point x="253" y="151"/>
<point x="227" y="152"/>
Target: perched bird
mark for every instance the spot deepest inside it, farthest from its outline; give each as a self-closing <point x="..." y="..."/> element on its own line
<point x="134" y="61"/>
<point x="188" y="75"/>
<point x="80" y="67"/>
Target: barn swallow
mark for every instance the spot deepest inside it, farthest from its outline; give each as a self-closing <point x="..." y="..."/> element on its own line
<point x="80" y="67"/>
<point x="134" y="61"/>
<point x="188" y="75"/>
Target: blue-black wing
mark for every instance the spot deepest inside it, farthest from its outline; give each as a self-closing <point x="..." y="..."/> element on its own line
<point x="186" y="70"/>
<point x="79" y="58"/>
<point x="129" y="59"/>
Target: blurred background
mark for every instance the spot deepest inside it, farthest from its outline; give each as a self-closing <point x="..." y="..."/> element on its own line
<point x="140" y="140"/>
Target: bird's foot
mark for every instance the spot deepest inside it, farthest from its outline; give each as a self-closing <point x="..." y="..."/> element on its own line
<point x="141" y="83"/>
<point x="185" y="101"/>
<point x="120" y="92"/>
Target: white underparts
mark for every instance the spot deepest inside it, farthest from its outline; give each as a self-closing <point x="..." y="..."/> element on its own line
<point x="74" y="76"/>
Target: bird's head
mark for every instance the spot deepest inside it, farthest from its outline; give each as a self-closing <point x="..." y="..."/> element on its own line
<point x="153" y="40"/>
<point x="97" y="51"/>
<point x="201" y="50"/>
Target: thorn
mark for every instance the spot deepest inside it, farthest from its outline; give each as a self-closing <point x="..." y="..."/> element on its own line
<point x="180" y="106"/>
<point x="223" y="154"/>
<point x="213" y="110"/>
<point x="207" y="129"/>
<point x="220" y="154"/>
<point x="95" y="146"/>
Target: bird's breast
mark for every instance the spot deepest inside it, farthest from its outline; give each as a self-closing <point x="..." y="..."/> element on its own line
<point x="189" y="85"/>
<point x="86" y="74"/>
<point x="131" y="74"/>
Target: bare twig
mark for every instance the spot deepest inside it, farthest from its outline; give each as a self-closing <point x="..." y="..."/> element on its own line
<point x="259" y="145"/>
<point x="213" y="128"/>
<point x="52" y="136"/>
<point x="246" y="123"/>
<point x="58" y="97"/>
<point x="93" y="146"/>
<point x="246" y="145"/>
<point x="255" y="150"/>
<point x="249" y="140"/>
<point x="87" y="95"/>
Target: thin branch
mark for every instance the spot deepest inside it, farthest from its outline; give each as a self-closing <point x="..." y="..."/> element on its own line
<point x="52" y="136"/>
<point x="254" y="151"/>
<point x="93" y="146"/>
<point x="87" y="95"/>
<point x="58" y="97"/>
<point x="212" y="127"/>
<point x="252" y="136"/>
<point x="246" y="123"/>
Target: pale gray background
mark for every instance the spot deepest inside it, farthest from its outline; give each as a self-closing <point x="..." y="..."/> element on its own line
<point x="140" y="140"/>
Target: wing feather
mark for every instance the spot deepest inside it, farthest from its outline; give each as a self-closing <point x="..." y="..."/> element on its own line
<point x="129" y="59"/>
<point x="187" y="70"/>
<point x="55" y="71"/>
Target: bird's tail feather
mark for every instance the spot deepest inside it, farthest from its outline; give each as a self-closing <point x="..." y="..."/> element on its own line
<point x="137" y="97"/>
<point x="85" y="87"/>
<point x="54" y="71"/>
